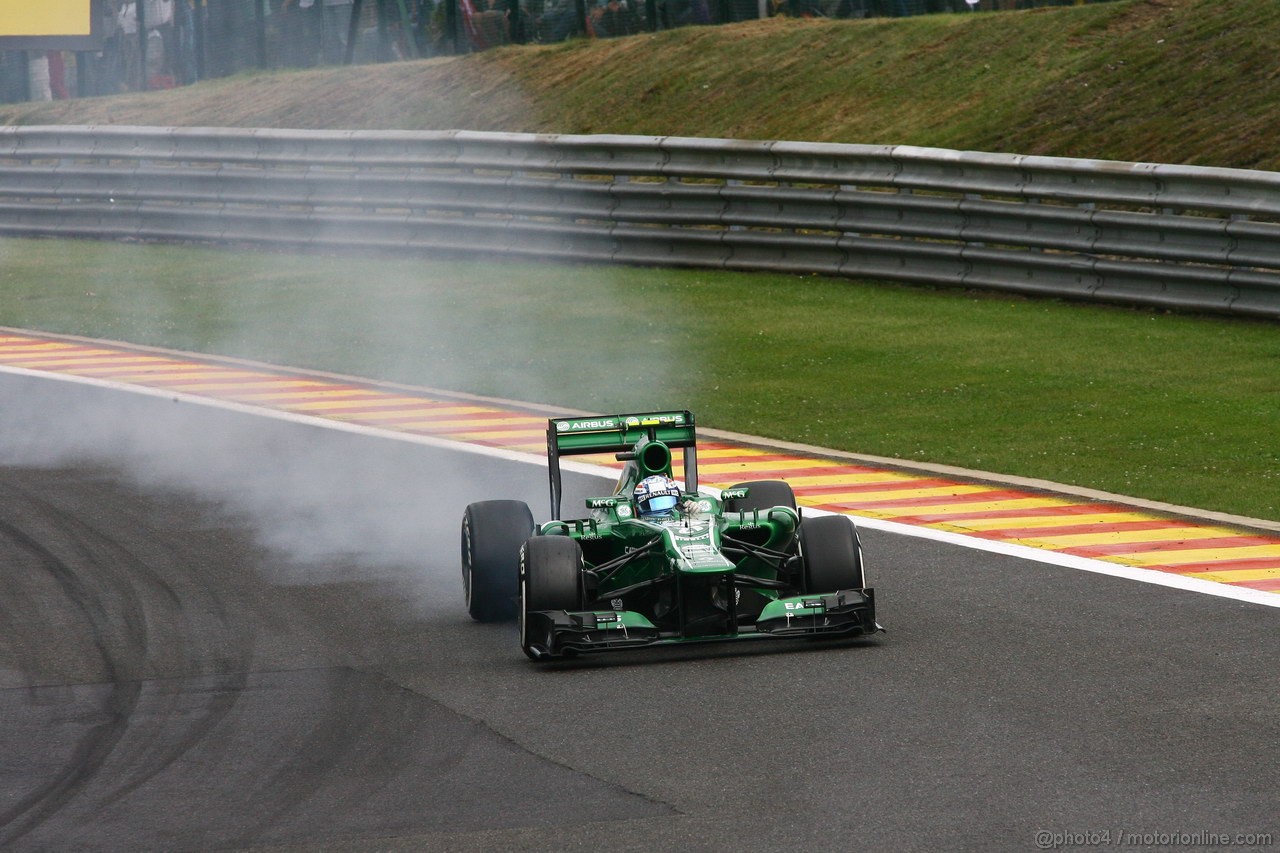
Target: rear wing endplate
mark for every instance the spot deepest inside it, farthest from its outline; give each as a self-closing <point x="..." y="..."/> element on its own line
<point x="619" y="434"/>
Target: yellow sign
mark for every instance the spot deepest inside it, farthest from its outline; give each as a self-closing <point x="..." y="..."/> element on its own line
<point x="46" y="17"/>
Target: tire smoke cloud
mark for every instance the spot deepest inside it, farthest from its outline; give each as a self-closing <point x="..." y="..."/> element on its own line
<point x="325" y="504"/>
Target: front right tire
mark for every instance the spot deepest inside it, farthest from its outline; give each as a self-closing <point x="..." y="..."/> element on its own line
<point x="550" y="579"/>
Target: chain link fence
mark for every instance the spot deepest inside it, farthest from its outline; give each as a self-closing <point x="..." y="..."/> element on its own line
<point x="160" y="44"/>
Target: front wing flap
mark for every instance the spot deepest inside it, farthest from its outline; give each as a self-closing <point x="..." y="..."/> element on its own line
<point x="849" y="611"/>
<point x="845" y="613"/>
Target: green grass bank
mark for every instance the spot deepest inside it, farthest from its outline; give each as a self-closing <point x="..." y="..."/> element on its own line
<point x="1167" y="407"/>
<point x="1172" y="81"/>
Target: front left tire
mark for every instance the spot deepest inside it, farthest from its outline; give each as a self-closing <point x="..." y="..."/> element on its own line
<point x="831" y="554"/>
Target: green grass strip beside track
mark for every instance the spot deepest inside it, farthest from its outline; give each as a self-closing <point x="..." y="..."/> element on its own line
<point x="1168" y="407"/>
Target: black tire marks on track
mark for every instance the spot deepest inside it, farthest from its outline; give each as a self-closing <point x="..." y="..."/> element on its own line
<point x="170" y="682"/>
<point x="1007" y="698"/>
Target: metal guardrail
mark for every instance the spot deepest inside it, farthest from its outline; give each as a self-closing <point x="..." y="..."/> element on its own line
<point x="1138" y="233"/>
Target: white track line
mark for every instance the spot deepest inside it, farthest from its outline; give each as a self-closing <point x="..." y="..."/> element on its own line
<point x="1021" y="552"/>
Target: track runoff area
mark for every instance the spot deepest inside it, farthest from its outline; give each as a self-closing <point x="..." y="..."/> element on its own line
<point x="1213" y="555"/>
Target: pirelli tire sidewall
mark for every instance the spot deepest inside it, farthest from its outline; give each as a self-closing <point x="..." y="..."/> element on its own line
<point x="831" y="553"/>
<point x="492" y="534"/>
<point x="550" y="579"/>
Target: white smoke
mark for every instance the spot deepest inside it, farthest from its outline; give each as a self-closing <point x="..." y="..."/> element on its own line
<point x="328" y="504"/>
<point x="320" y="497"/>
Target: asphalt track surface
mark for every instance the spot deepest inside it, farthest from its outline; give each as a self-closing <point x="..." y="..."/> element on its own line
<point x="223" y="633"/>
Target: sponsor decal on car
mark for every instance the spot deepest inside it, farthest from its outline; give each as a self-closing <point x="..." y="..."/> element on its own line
<point x="702" y="555"/>
<point x="674" y="418"/>
<point x="806" y="604"/>
<point x="588" y="425"/>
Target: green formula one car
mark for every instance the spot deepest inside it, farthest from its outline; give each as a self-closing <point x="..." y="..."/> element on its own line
<point x="657" y="563"/>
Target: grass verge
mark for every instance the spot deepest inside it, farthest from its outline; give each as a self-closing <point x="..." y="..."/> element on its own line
<point x="1167" y="407"/>
<point x="1167" y="81"/>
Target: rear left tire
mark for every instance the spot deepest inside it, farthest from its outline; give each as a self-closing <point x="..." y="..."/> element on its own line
<point x="762" y="494"/>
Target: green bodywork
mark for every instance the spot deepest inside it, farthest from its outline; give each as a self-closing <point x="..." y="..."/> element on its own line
<point x="690" y="543"/>
<point x="709" y="571"/>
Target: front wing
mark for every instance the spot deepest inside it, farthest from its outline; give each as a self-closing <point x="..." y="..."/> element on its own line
<point x="556" y="633"/>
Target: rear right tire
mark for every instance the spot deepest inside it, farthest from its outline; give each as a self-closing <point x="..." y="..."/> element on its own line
<point x="492" y="533"/>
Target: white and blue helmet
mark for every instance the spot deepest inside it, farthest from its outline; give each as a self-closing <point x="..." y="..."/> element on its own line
<point x="656" y="496"/>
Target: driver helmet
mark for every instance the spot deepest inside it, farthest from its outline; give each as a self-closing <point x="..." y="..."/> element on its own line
<point x="656" y="497"/>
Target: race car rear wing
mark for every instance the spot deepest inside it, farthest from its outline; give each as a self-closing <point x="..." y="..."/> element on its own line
<point x="625" y="436"/>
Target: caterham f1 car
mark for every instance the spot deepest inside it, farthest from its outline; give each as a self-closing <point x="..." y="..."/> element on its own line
<point x="657" y="563"/>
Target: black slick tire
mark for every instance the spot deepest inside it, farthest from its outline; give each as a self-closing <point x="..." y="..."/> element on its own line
<point x="763" y="494"/>
<point x="831" y="554"/>
<point x="492" y="533"/>
<point x="550" y="579"/>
